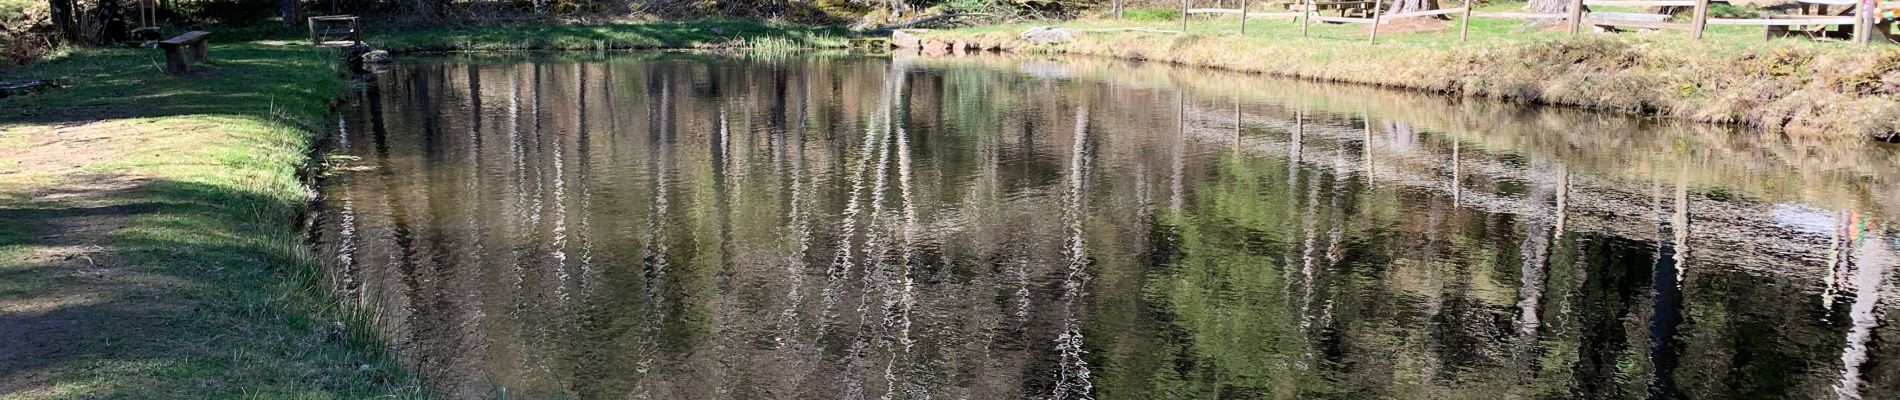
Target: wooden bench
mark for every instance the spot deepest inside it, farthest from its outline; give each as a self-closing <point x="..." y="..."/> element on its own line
<point x="177" y="59"/>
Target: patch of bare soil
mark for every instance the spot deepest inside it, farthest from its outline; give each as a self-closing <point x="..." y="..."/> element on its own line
<point x="77" y="296"/>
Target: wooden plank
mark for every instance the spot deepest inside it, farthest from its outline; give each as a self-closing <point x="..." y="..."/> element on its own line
<point x="1640" y="3"/>
<point x="1348" y="20"/>
<point x="187" y="37"/>
<point x="1623" y="16"/>
<point x="1427" y="13"/>
<point x="1638" y="24"/>
<point x="1249" y="15"/>
<point x="1783" y="21"/>
<point x="1514" y="15"/>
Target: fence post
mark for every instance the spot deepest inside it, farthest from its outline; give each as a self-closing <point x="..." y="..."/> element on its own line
<point x="1306" y="17"/>
<point x="1243" y="17"/>
<point x="1377" y="9"/>
<point x="1576" y="16"/>
<point x="1464" y="29"/>
<point x="1701" y="20"/>
<point x="1118" y="9"/>
<point x="1864" y="21"/>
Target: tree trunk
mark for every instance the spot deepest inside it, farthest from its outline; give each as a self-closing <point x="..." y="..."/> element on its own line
<point x="112" y="21"/>
<point x="1547" y="7"/>
<point x="64" y="19"/>
<point x="291" y="11"/>
<point x="1406" y="6"/>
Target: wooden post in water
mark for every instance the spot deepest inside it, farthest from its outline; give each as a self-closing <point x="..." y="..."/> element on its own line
<point x="1457" y="178"/>
<point x="1576" y="16"/>
<point x="1237" y="122"/>
<point x="1377" y="9"/>
<point x="1367" y="144"/>
<point x="1464" y="28"/>
<point x="1243" y="17"/>
<point x="1701" y="20"/>
<point x="1306" y="17"/>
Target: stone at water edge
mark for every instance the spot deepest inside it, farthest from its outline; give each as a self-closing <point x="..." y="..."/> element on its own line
<point x="1047" y="35"/>
<point x="377" y="57"/>
<point x="904" y="40"/>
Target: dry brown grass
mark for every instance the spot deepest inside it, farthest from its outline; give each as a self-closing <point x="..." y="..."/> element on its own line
<point x="1826" y="89"/>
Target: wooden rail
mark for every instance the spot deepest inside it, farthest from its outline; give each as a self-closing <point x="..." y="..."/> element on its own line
<point x="1249" y="15"/>
<point x="1426" y="13"/>
<point x="1784" y="21"/>
<point x="1515" y="15"/>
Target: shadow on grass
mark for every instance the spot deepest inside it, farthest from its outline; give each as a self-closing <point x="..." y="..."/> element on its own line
<point x="239" y="79"/>
<point x="189" y="291"/>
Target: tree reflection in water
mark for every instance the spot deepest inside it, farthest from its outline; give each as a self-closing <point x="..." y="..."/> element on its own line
<point x="703" y="226"/>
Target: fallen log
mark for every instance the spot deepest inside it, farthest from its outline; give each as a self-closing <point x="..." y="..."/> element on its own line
<point x="24" y="87"/>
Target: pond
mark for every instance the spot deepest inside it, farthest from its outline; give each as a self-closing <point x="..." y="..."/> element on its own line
<point x="692" y="225"/>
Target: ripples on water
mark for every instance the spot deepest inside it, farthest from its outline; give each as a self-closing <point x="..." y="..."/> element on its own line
<point x="701" y="226"/>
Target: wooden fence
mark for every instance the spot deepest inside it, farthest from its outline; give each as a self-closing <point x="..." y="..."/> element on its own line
<point x="1864" y="20"/>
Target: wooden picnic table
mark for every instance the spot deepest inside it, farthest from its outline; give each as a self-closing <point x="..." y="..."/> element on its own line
<point x="1346" y="8"/>
<point x="1882" y="27"/>
<point x="328" y="26"/>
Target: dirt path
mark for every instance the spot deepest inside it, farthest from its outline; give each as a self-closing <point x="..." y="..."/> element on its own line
<point x="67" y="294"/>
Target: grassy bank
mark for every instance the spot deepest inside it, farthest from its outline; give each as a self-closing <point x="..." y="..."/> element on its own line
<point x="621" y="36"/>
<point x="148" y="239"/>
<point x="1830" y="89"/>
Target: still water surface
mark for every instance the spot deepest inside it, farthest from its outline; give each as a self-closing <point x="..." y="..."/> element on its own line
<point x="687" y="226"/>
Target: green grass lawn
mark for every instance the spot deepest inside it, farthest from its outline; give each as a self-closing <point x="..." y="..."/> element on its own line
<point x="148" y="239"/>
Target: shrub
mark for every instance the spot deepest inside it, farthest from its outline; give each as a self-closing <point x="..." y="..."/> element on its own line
<point x="26" y="33"/>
